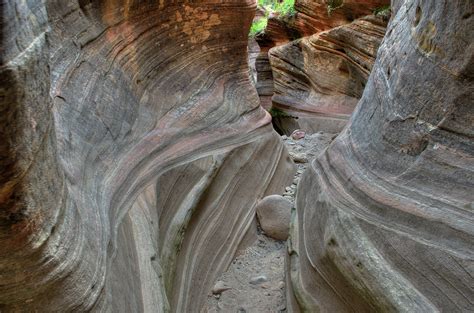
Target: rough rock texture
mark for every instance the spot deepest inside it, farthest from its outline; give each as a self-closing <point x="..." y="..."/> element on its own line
<point x="314" y="16"/>
<point x="385" y="217"/>
<point x="274" y="214"/>
<point x="320" y="78"/>
<point x="132" y="152"/>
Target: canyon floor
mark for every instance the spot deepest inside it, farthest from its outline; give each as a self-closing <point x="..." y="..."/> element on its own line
<point x="255" y="281"/>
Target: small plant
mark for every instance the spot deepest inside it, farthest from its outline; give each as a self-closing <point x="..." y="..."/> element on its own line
<point x="383" y="12"/>
<point x="283" y="9"/>
<point x="333" y="5"/>
<point x="258" y="26"/>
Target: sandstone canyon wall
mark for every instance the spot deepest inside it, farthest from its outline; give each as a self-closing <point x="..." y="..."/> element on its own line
<point x="315" y="63"/>
<point x="320" y="78"/>
<point x="132" y="151"/>
<point x="385" y="216"/>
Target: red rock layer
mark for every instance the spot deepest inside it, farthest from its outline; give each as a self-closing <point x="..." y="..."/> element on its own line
<point x="320" y="78"/>
<point x="319" y="15"/>
<point x="319" y="61"/>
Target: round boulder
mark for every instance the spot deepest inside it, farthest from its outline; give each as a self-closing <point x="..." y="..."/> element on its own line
<point x="274" y="214"/>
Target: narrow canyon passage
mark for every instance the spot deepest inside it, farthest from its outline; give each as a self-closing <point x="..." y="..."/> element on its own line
<point x="237" y="156"/>
<point x="255" y="281"/>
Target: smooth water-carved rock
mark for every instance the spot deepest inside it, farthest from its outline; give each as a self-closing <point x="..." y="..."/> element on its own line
<point x="132" y="152"/>
<point x="320" y="78"/>
<point x="315" y="62"/>
<point x="384" y="217"/>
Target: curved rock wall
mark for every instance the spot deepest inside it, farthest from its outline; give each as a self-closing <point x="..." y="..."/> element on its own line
<point x="319" y="15"/>
<point x="128" y="131"/>
<point x="320" y="78"/>
<point x="385" y="216"/>
<point x="315" y="63"/>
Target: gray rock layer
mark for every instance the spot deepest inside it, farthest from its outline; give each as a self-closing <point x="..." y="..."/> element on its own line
<point x="274" y="214"/>
<point x="385" y="221"/>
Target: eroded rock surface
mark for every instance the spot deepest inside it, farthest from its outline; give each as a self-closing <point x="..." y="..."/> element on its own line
<point x="315" y="63"/>
<point x="132" y="153"/>
<point x="384" y="216"/>
<point x="320" y="78"/>
<point x="256" y="276"/>
<point x="320" y="15"/>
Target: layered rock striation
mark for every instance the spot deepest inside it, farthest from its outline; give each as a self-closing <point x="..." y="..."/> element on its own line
<point x="314" y="64"/>
<point x="385" y="215"/>
<point x="315" y="16"/>
<point x="131" y="152"/>
<point x="320" y="78"/>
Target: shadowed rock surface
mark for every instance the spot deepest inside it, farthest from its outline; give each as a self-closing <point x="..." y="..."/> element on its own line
<point x="132" y="152"/>
<point x="385" y="215"/>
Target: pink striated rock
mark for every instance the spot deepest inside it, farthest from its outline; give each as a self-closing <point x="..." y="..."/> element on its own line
<point x="132" y="153"/>
<point x="298" y="134"/>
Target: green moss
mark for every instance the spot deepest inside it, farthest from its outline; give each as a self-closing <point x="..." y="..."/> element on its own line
<point x="333" y="5"/>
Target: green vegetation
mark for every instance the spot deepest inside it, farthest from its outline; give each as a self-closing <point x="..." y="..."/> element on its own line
<point x="285" y="8"/>
<point x="275" y="113"/>
<point x="383" y="11"/>
<point x="333" y="5"/>
<point x="258" y="26"/>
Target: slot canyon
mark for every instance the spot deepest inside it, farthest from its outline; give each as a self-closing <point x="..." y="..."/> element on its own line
<point x="237" y="156"/>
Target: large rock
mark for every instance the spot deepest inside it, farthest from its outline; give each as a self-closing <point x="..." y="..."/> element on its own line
<point x="132" y="152"/>
<point x="274" y="213"/>
<point x="384" y="220"/>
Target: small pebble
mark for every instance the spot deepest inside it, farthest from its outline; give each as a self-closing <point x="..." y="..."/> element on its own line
<point x="219" y="288"/>
<point x="258" y="280"/>
<point x="299" y="157"/>
<point x="298" y="134"/>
